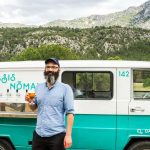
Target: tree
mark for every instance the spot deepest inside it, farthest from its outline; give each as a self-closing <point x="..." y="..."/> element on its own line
<point x="146" y="82"/>
<point x="4" y="56"/>
<point x="44" y="52"/>
<point x="115" y="58"/>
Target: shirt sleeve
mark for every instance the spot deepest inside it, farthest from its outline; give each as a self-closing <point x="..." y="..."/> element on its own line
<point x="69" y="100"/>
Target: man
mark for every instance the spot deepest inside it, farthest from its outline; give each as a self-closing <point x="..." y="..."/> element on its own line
<point x="53" y="100"/>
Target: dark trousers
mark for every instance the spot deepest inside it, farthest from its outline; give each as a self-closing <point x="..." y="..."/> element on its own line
<point x="55" y="142"/>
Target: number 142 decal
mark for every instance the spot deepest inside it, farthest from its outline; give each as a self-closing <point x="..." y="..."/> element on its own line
<point x="123" y="73"/>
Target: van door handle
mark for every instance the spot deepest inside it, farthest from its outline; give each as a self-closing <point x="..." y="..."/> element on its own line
<point x="137" y="109"/>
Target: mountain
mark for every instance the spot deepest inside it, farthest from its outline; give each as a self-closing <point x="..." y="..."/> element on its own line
<point x="142" y="18"/>
<point x="132" y="17"/>
<point x="91" y="43"/>
<point x="14" y="25"/>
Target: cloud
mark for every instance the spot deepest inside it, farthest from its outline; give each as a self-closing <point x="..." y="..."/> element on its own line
<point x="43" y="11"/>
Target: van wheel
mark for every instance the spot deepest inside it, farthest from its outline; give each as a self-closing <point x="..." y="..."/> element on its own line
<point x="143" y="145"/>
<point x="4" y="145"/>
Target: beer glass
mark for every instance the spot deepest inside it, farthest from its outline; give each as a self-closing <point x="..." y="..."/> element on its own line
<point x="31" y="94"/>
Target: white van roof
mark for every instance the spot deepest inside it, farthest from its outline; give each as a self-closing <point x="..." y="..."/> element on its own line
<point x="78" y="63"/>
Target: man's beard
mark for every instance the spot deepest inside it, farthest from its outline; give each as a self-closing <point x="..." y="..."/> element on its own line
<point x="51" y="77"/>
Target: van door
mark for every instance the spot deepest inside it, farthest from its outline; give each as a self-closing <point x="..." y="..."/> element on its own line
<point x="95" y="107"/>
<point x="139" y="107"/>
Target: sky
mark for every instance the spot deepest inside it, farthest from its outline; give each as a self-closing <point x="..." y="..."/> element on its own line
<point x="39" y="12"/>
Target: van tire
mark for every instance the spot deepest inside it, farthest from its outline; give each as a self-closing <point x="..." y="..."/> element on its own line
<point x="141" y="145"/>
<point x="5" y="145"/>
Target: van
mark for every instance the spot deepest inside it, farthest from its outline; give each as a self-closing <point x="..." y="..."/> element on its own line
<point x="112" y="103"/>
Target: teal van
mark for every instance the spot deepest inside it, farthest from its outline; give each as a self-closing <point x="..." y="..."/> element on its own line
<point x="112" y="103"/>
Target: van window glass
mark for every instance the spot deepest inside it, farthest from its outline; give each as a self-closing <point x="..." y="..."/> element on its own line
<point x="141" y="84"/>
<point x="90" y="85"/>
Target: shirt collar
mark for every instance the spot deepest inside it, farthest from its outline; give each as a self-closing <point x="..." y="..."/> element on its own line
<point x="52" y="85"/>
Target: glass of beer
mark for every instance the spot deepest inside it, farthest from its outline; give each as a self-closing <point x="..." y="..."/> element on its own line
<point x="31" y="94"/>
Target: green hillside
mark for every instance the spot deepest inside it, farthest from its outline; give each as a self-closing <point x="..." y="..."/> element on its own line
<point x="93" y="43"/>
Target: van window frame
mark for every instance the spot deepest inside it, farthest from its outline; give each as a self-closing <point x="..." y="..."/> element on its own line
<point x="93" y="71"/>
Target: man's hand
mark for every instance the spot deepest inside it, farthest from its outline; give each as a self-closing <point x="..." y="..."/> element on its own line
<point x="67" y="141"/>
<point x="27" y="98"/>
<point x="31" y="104"/>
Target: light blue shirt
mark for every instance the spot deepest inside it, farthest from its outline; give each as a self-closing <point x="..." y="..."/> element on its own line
<point x="53" y="104"/>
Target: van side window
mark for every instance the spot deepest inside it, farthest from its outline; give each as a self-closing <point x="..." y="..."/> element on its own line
<point x="141" y="84"/>
<point x="90" y="85"/>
